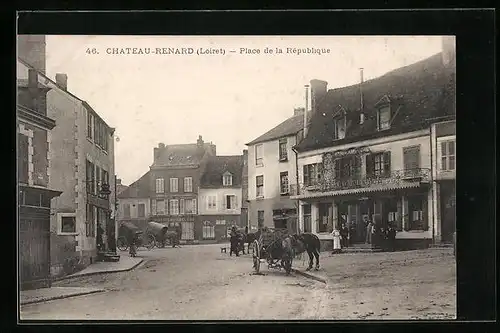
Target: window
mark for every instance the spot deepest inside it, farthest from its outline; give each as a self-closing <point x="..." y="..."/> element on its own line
<point x="260" y="186"/>
<point x="208" y="230"/>
<point x="307" y="218"/>
<point x="411" y="159"/>
<point x="231" y="202"/>
<point x="283" y="149"/>
<point x="384" y="118"/>
<point x="141" y="210"/>
<point x="104" y="177"/>
<point x="212" y="202"/>
<point x="90" y="168"/>
<point x="284" y="182"/>
<point x="188" y="184"/>
<point x="67" y="223"/>
<point x="416" y="208"/>
<point x="91" y="221"/>
<point x="220" y="222"/>
<point x="339" y="128"/>
<point x="97" y="126"/>
<point x="259" y="155"/>
<point x="174" y="185"/>
<point x="90" y="125"/>
<point x="189" y="206"/>
<point x="448" y="155"/>
<point x="227" y="179"/>
<point x="174" y="207"/>
<point x="160" y="207"/>
<point x="260" y="218"/>
<point x="160" y="185"/>
<point x="126" y="210"/>
<point x="22" y="158"/>
<point x="378" y="164"/>
<point x="94" y="222"/>
<point x="313" y="174"/>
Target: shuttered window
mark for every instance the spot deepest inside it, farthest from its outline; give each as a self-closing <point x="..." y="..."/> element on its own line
<point x="411" y="157"/>
<point x="378" y="164"/>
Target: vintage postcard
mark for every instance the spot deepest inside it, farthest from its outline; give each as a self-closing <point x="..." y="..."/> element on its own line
<point x="236" y="177"/>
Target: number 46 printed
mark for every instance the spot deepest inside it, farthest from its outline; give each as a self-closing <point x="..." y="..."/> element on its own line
<point x="91" y="51"/>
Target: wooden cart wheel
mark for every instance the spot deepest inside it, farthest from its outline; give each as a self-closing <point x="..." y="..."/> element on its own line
<point x="121" y="243"/>
<point x="256" y="256"/>
<point x="150" y="242"/>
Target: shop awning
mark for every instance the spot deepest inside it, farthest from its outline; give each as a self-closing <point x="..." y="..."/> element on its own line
<point x="379" y="188"/>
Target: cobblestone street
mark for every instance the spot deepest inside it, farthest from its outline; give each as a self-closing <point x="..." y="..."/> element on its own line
<point x="200" y="283"/>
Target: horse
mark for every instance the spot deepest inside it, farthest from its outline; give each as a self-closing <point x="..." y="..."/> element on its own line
<point x="307" y="242"/>
<point x="282" y="251"/>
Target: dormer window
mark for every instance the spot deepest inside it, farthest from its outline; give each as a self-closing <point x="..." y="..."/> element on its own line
<point x="227" y="179"/>
<point x="339" y="123"/>
<point x="384" y="118"/>
<point x="339" y="128"/>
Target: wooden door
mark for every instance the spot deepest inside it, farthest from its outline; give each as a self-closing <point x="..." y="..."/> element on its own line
<point x="34" y="252"/>
<point x="187" y="230"/>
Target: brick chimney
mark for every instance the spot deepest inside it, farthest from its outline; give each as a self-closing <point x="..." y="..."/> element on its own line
<point x="318" y="92"/>
<point x="199" y="142"/>
<point x="31" y="49"/>
<point x="33" y="89"/>
<point x="62" y="80"/>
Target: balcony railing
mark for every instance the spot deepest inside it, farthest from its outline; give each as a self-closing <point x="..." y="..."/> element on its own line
<point x="395" y="177"/>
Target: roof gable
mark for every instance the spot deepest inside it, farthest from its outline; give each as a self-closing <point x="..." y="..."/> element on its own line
<point x="138" y="189"/>
<point x="218" y="166"/>
<point x="288" y="127"/>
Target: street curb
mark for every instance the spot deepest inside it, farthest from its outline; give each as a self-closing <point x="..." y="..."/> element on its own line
<point x="76" y="275"/>
<point x="51" y="298"/>
<point x="309" y="275"/>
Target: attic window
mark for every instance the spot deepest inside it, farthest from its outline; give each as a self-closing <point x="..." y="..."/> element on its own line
<point x="227" y="179"/>
<point x="384" y="118"/>
<point x="339" y="127"/>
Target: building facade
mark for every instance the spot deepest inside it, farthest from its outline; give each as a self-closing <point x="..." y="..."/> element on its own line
<point x="244" y="190"/>
<point x="372" y="159"/>
<point x="443" y="136"/>
<point x="134" y="204"/>
<point x="271" y="170"/>
<point x="174" y="181"/>
<point x="33" y="179"/>
<point x="81" y="154"/>
<point x="220" y="198"/>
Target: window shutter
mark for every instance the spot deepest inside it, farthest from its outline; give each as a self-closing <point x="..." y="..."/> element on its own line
<point x="195" y="207"/>
<point x="387" y="163"/>
<point x="369" y="165"/>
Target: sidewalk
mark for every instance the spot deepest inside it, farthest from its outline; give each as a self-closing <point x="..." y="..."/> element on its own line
<point x="126" y="263"/>
<point x="48" y="294"/>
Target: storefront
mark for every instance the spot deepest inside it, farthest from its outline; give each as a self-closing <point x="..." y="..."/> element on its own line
<point x="406" y="209"/>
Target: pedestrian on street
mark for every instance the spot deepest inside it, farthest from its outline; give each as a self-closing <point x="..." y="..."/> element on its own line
<point x="369" y="232"/>
<point x="344" y="234"/>
<point x="336" y="241"/>
<point x="391" y="238"/>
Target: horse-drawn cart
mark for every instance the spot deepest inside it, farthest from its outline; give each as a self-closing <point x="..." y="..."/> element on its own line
<point x="162" y="235"/>
<point x="271" y="247"/>
<point x="128" y="232"/>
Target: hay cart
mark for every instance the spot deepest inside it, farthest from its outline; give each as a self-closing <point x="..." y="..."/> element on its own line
<point x="267" y="248"/>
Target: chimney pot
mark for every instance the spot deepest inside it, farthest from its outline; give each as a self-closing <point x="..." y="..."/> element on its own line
<point x="161" y="145"/>
<point x="62" y="80"/>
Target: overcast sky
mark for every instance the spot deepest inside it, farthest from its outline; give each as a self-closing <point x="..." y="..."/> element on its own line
<point x="228" y="99"/>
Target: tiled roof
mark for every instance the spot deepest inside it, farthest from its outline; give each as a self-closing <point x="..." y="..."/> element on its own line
<point x="289" y="127"/>
<point x="417" y="92"/>
<point x="182" y="154"/>
<point x="217" y="166"/>
<point x="138" y="189"/>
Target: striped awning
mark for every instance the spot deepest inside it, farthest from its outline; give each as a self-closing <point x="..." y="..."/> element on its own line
<point x="379" y="188"/>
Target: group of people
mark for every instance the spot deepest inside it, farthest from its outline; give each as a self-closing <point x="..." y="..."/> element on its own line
<point x="380" y="236"/>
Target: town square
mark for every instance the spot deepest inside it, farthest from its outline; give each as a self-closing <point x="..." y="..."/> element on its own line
<point x="222" y="178"/>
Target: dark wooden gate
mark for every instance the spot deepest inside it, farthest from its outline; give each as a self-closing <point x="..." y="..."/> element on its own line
<point x="34" y="248"/>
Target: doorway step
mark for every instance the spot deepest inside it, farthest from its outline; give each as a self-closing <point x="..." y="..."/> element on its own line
<point x="361" y="248"/>
<point x="442" y="245"/>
